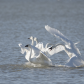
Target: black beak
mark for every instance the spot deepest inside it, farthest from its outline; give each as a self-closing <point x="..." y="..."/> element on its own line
<point x="50" y="48"/>
<point x="28" y="38"/>
<point x="26" y="46"/>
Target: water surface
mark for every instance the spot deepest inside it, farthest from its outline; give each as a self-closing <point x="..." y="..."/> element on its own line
<point x="22" y="19"/>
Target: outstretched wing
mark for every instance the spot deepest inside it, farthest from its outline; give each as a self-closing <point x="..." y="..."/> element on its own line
<point x="57" y="33"/>
<point x="23" y="49"/>
<point x="44" y="57"/>
<point x="56" y="49"/>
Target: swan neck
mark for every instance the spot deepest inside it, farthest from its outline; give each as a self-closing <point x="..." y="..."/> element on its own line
<point x="36" y="42"/>
<point x="32" y="42"/>
<point x="30" y="54"/>
<point x="47" y="45"/>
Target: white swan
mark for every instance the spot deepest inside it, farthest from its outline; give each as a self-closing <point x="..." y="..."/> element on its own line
<point x="32" y="38"/>
<point x="27" y="50"/>
<point x="45" y="49"/>
<point x="39" y="58"/>
<point x="39" y="45"/>
<point x="74" y="61"/>
<point x="71" y="46"/>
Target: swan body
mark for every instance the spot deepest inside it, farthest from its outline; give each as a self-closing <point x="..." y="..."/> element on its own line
<point x="39" y="58"/>
<point x="70" y="48"/>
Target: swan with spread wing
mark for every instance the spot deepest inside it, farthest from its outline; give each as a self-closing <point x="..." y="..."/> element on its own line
<point x="39" y="56"/>
<point x="75" y="59"/>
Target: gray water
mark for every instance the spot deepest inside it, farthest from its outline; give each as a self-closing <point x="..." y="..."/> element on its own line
<point x="20" y="19"/>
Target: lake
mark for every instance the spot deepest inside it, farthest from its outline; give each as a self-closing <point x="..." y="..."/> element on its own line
<point x="20" y="19"/>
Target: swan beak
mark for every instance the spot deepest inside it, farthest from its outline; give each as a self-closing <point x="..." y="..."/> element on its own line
<point x="28" y="38"/>
<point x="26" y="46"/>
<point x="50" y="48"/>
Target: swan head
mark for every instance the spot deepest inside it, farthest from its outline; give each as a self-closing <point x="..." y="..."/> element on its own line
<point x="57" y="45"/>
<point x="26" y="45"/>
<point x="50" y="48"/>
<point x="35" y="39"/>
<point x="19" y="44"/>
<point x="31" y="38"/>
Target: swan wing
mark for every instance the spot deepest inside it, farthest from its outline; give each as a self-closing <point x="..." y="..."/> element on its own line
<point x="43" y="59"/>
<point x="35" y="50"/>
<point x="39" y="45"/>
<point x="40" y="57"/>
<point x="57" y="33"/>
<point x="23" y="49"/>
<point x="69" y="43"/>
<point x="43" y="56"/>
<point x="75" y="62"/>
<point x="56" y="49"/>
